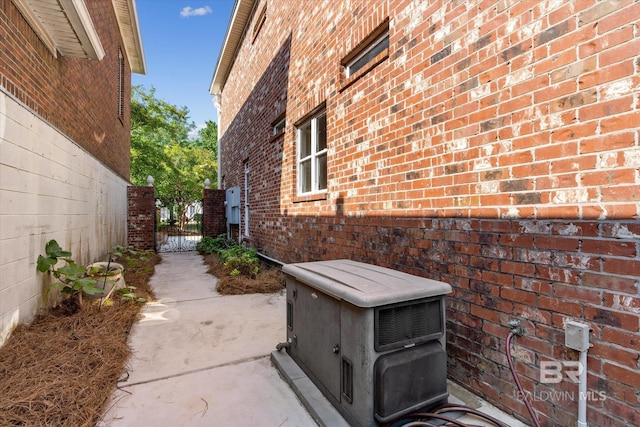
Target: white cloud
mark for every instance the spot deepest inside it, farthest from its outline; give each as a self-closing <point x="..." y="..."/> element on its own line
<point x="189" y="11"/>
<point x="194" y="133"/>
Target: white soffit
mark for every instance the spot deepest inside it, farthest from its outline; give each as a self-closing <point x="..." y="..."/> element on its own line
<point x="64" y="26"/>
<point x="127" y="16"/>
<point x="242" y="11"/>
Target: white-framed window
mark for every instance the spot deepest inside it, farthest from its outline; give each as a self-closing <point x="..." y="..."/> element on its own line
<point x="312" y="154"/>
<point x="362" y="56"/>
<point x="367" y="54"/>
<point x="279" y="126"/>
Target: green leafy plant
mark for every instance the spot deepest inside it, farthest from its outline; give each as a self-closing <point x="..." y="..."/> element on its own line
<point x="211" y="245"/>
<point x="128" y="293"/>
<point x="119" y="251"/>
<point x="241" y="259"/>
<point x="237" y="259"/>
<point x="72" y="279"/>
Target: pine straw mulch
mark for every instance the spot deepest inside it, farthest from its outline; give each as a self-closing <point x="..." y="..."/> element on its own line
<point x="62" y="368"/>
<point x="269" y="279"/>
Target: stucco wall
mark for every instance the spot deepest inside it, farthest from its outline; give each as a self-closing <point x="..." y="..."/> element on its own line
<point x="50" y="188"/>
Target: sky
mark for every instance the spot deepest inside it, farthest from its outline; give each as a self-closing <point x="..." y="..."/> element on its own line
<point x="181" y="41"/>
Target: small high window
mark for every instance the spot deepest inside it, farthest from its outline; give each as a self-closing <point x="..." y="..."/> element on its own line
<point x="312" y="154"/>
<point x="262" y="17"/>
<point x="376" y="43"/>
<point x="279" y="125"/>
<point x="380" y="44"/>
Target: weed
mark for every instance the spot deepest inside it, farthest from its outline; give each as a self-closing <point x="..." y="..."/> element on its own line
<point x="72" y="279"/>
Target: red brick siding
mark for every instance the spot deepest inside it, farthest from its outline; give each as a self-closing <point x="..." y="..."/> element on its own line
<point x="213" y="213"/>
<point x="77" y="96"/>
<point x="141" y="221"/>
<point x="497" y="149"/>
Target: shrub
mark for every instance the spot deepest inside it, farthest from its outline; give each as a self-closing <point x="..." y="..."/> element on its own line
<point x="210" y="245"/>
<point x="237" y="259"/>
<point x="240" y="260"/>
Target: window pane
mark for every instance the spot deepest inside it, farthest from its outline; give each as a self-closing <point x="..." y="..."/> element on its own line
<point x="322" y="132"/>
<point x="305" y="140"/>
<point x="279" y="127"/>
<point x="361" y="61"/>
<point x="305" y="176"/>
<point x="321" y="170"/>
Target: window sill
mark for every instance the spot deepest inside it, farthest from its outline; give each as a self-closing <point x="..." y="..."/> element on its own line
<point x="345" y="82"/>
<point x="277" y="136"/>
<point x="310" y="198"/>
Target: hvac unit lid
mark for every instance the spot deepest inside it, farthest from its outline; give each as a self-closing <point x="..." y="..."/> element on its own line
<point x="364" y="285"/>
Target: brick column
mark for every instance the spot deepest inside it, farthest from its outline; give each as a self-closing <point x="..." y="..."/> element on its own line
<point x="213" y="215"/>
<point x="141" y="217"/>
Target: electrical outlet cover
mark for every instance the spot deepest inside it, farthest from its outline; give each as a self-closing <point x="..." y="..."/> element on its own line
<point x="576" y="336"/>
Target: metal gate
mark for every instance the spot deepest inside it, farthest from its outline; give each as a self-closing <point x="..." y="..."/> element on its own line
<point x="175" y="234"/>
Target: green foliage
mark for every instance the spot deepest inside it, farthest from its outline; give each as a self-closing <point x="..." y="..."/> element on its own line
<point x="119" y="251"/>
<point x="161" y="147"/>
<point x="241" y="259"/>
<point x="236" y="258"/>
<point x="71" y="278"/>
<point x="210" y="245"/>
<point x="208" y="138"/>
<point x="128" y="294"/>
<point x="53" y="251"/>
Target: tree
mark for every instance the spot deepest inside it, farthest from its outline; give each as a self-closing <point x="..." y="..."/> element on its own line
<point x="208" y="137"/>
<point x="190" y="167"/>
<point x="160" y="147"/>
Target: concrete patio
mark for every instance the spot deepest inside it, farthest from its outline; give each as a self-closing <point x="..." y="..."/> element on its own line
<point x="203" y="359"/>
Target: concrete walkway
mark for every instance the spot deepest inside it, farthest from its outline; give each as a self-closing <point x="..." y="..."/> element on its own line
<point x="202" y="359"/>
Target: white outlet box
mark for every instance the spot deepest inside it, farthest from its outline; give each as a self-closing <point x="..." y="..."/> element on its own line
<point x="576" y="336"/>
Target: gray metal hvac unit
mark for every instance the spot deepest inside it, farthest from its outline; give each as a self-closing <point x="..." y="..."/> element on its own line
<point x="370" y="338"/>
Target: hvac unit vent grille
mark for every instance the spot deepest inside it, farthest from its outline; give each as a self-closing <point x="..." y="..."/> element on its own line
<point x="408" y="323"/>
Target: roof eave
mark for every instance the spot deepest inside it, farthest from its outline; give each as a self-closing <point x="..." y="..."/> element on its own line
<point x="242" y="11"/>
<point x="127" y="16"/>
<point x="64" y="26"/>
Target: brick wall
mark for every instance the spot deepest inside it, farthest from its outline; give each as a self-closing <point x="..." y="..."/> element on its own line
<point x="141" y="217"/>
<point x="541" y="272"/>
<point x="495" y="148"/>
<point x="213" y="213"/>
<point x="77" y="96"/>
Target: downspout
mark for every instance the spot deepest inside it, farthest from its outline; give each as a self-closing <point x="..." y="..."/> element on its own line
<point x="217" y="98"/>
<point x="576" y="337"/>
<point x="582" y="402"/>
